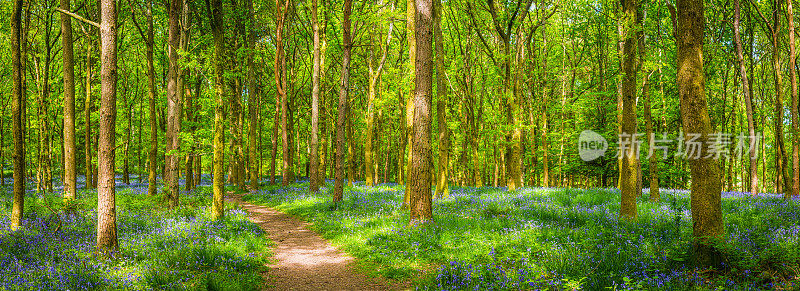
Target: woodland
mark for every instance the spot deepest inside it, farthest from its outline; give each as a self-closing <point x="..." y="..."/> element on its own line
<point x="435" y="144"/>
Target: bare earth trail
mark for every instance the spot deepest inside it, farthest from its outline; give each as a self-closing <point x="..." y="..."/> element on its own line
<point x="306" y="261"/>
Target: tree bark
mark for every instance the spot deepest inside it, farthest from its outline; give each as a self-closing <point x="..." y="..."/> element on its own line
<point x="629" y="157"/>
<point x="442" y="185"/>
<point x="421" y="161"/>
<point x="412" y="56"/>
<point x="795" y="121"/>
<point x="174" y="103"/>
<point x="17" y="110"/>
<point x="338" y="187"/>
<point x="87" y="115"/>
<point x="315" y="79"/>
<point x="151" y="103"/>
<point x="253" y="101"/>
<point x="373" y="79"/>
<point x="748" y="98"/>
<point x="70" y="177"/>
<point x="217" y="28"/>
<point x="706" y="185"/>
<point x="106" y="190"/>
<point x="280" y="80"/>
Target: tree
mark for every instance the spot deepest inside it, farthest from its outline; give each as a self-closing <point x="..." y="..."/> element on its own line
<point x="17" y="110"/>
<point x="629" y="158"/>
<point x="253" y="100"/>
<point x="106" y="190"/>
<point x="442" y="186"/>
<point x="315" y="79"/>
<point x="70" y="177"/>
<point x="217" y="28"/>
<point x="373" y="79"/>
<point x="338" y="187"/>
<point x="280" y="81"/>
<point x="174" y="102"/>
<point x="152" y="154"/>
<point x="706" y="184"/>
<point x="412" y="57"/>
<point x="421" y="161"/>
<point x="795" y="118"/>
<point x="748" y="99"/>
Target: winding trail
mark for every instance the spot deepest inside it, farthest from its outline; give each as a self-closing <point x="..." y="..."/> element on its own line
<point x="306" y="261"/>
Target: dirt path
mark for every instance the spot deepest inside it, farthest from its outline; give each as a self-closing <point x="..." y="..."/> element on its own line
<point x="306" y="261"/>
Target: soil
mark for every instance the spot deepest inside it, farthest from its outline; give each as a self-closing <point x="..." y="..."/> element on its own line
<point x="306" y="261"/>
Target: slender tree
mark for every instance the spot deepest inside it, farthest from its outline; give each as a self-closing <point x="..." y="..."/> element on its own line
<point x="338" y="187"/>
<point x="373" y="79"/>
<point x="17" y="110"/>
<point x="795" y="118"/>
<point x="442" y="185"/>
<point x="217" y="28"/>
<point x="106" y="190"/>
<point x="70" y="177"/>
<point x="152" y="153"/>
<point x="315" y="79"/>
<point x="174" y="102"/>
<point x="629" y="158"/>
<point x="253" y="100"/>
<point x="420" y="178"/>
<point x="748" y="98"/>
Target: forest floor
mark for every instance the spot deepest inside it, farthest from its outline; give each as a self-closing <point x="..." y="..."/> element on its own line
<point x="490" y="238"/>
<point x="306" y="261"/>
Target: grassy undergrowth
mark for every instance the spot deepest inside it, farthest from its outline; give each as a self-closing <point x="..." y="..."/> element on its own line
<point x="489" y="238"/>
<point x="159" y="249"/>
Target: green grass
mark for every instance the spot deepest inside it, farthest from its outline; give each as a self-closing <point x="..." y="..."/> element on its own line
<point x="160" y="249"/>
<point x="489" y="238"/>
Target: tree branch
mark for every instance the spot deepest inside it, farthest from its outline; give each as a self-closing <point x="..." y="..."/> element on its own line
<point x="78" y="17"/>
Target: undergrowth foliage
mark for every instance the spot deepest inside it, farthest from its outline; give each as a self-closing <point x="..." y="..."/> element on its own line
<point x="538" y="238"/>
<point x="159" y="249"/>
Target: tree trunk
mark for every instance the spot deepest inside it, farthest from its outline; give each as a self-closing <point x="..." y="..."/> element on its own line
<point x="17" y="111"/>
<point x="781" y="158"/>
<point x="253" y="100"/>
<point x="373" y="79"/>
<point x="338" y="187"/>
<point x="795" y="121"/>
<point x="629" y="156"/>
<point x="106" y="206"/>
<point x="87" y="116"/>
<point x="315" y="79"/>
<point x="442" y="185"/>
<point x="412" y="56"/>
<point x="655" y="195"/>
<point x="748" y="98"/>
<point x="151" y="103"/>
<point x="705" y="197"/>
<point x="421" y="161"/>
<point x="280" y="80"/>
<point x="217" y="28"/>
<point x="174" y="103"/>
<point x="70" y="189"/>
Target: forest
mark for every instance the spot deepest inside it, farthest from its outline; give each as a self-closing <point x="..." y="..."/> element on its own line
<point x="386" y="144"/>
